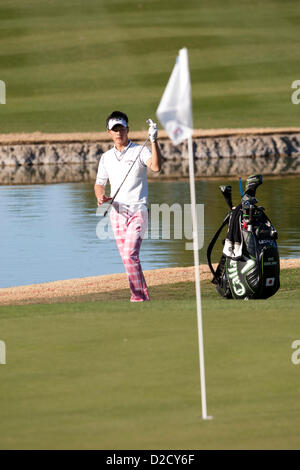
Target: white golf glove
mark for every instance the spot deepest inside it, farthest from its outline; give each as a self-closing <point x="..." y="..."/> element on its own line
<point x="152" y="130"/>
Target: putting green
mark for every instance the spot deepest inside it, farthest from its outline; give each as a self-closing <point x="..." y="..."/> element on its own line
<point x="115" y="375"/>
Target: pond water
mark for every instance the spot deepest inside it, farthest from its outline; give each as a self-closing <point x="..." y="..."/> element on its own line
<point x="48" y="232"/>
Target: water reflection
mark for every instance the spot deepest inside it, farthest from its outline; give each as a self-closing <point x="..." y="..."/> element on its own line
<point x="48" y="232"/>
<point x="48" y="174"/>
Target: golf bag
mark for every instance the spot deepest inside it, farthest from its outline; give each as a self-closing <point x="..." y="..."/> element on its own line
<point x="249" y="266"/>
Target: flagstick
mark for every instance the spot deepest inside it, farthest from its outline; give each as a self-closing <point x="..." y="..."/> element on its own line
<point x="197" y="279"/>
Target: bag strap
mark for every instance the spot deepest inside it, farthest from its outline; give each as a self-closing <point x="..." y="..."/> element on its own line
<point x="212" y="244"/>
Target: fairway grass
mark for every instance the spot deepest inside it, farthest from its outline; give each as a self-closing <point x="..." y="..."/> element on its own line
<point x="67" y="63"/>
<point x="115" y="375"/>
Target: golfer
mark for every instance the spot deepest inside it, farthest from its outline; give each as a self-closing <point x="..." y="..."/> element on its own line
<point x="129" y="214"/>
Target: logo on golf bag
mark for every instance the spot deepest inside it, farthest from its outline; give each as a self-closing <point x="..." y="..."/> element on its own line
<point x="237" y="285"/>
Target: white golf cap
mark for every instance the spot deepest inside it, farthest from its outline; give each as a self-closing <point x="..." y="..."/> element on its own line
<point x="114" y="122"/>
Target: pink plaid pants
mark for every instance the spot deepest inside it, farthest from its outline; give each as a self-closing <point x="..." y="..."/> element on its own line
<point x="129" y="227"/>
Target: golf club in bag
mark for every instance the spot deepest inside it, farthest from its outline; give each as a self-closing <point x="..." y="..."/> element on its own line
<point x="249" y="267"/>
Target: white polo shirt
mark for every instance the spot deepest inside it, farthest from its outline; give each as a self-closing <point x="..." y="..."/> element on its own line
<point x="114" y="165"/>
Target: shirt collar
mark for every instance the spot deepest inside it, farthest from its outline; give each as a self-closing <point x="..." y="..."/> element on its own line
<point x="119" y="154"/>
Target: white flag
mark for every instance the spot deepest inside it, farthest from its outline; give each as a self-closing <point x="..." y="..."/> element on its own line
<point x="175" y="108"/>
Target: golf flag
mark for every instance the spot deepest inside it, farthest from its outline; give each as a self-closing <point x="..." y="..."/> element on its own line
<point x="175" y="114"/>
<point x="175" y="108"/>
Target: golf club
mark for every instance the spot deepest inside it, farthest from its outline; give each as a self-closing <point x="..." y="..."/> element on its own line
<point x="252" y="183"/>
<point x="227" y="193"/>
<point x="114" y="196"/>
<point x="241" y="187"/>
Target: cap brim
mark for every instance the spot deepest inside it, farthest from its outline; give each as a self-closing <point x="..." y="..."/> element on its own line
<point x="116" y="122"/>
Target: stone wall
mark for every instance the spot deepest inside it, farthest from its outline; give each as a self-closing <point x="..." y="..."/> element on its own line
<point x="214" y="156"/>
<point x="232" y="155"/>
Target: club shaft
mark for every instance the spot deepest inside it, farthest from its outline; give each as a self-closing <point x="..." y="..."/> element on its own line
<point x="116" y="193"/>
<point x="241" y="187"/>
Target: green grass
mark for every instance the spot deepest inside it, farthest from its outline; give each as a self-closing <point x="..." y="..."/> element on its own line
<point x="115" y="375"/>
<point x="68" y="63"/>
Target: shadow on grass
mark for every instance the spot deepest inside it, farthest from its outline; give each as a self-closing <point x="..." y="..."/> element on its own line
<point x="178" y="291"/>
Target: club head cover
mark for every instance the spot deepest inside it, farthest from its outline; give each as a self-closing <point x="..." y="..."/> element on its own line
<point x="252" y="184"/>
